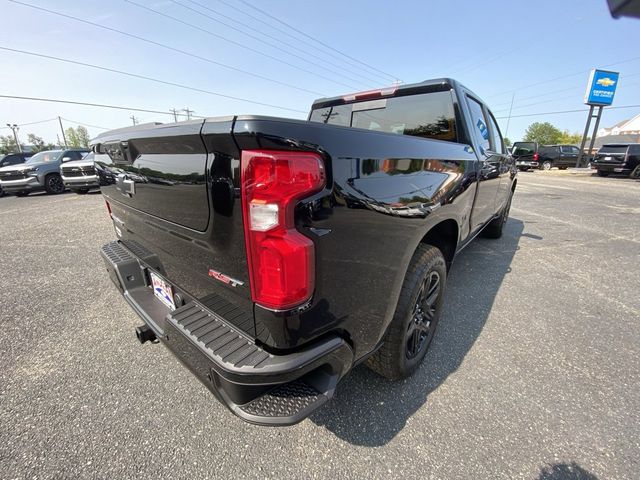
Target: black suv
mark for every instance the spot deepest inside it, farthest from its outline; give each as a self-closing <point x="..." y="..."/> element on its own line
<point x="530" y="155"/>
<point x="12" y="159"/>
<point x="617" y="158"/>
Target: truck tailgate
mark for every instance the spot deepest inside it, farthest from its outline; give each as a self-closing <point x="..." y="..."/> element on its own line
<point x="174" y="195"/>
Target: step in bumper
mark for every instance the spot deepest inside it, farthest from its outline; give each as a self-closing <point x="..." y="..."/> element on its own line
<point x="259" y="386"/>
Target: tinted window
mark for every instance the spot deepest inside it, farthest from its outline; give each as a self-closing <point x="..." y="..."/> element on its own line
<point x="524" y="148"/>
<point x="10" y="160"/>
<point x="613" y="149"/>
<point x="547" y="150"/>
<point x="73" y="155"/>
<point x="496" y="137"/>
<point x="634" y="149"/>
<point x="479" y="123"/>
<point x="429" y="115"/>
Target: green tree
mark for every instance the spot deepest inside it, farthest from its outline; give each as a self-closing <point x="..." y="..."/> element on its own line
<point x="38" y="144"/>
<point x="77" y="137"/>
<point x="543" y="133"/>
<point x="507" y="142"/>
<point x="7" y="144"/>
<point x="570" y="138"/>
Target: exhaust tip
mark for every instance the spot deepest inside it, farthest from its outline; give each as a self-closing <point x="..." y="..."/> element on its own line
<point x="145" y="334"/>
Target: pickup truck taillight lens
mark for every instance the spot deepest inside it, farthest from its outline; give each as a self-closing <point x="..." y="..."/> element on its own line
<point x="281" y="260"/>
<point x="536" y="157"/>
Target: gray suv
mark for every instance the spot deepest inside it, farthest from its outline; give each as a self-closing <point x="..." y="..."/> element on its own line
<point x="40" y="172"/>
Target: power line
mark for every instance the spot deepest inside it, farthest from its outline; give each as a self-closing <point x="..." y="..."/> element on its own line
<point x="279" y="40"/>
<point x="86" y="124"/>
<point x="88" y="104"/>
<point x="144" y="77"/>
<point x="566" y="111"/>
<point x="393" y="77"/>
<point x="582" y="72"/>
<point x="168" y="47"/>
<point x="233" y="42"/>
<point x="297" y="39"/>
<point x="250" y="35"/>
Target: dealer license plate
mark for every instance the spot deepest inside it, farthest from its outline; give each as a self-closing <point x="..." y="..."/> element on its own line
<point x="162" y="290"/>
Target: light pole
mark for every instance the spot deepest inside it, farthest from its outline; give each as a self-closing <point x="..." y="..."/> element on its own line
<point x="15" y="129"/>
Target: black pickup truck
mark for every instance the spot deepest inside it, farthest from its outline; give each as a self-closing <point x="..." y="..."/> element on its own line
<point x="272" y="255"/>
<point x="529" y="155"/>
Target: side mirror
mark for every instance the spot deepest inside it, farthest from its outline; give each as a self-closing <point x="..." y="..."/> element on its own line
<point x="66" y="159"/>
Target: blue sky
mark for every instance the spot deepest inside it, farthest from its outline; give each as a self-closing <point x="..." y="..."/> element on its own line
<point x="540" y="50"/>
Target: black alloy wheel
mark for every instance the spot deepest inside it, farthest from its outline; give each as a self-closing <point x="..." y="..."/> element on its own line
<point x="54" y="184"/>
<point x="423" y="318"/>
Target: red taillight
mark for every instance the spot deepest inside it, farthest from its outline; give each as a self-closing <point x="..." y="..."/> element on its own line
<point x="281" y="260"/>
<point x="536" y="157"/>
<point x="108" y="207"/>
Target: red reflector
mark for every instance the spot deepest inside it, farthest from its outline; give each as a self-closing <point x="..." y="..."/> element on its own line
<point x="535" y="157"/>
<point x="281" y="260"/>
<point x="108" y="207"/>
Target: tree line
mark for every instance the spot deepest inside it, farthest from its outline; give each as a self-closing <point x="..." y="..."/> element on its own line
<point x="76" y="138"/>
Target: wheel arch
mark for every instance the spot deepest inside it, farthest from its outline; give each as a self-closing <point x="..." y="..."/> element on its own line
<point x="444" y="235"/>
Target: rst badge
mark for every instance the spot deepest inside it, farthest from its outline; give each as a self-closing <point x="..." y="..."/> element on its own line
<point x="224" y="278"/>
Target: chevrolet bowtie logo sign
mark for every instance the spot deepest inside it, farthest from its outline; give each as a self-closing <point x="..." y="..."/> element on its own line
<point x="606" y="82"/>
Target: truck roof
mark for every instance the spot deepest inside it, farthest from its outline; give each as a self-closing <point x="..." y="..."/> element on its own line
<point x="434" y="84"/>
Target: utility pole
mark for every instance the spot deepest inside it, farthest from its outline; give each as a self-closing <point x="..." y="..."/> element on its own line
<point x="188" y="112"/>
<point x="175" y="114"/>
<point x="134" y="119"/>
<point x="64" y="137"/>
<point x="15" y="129"/>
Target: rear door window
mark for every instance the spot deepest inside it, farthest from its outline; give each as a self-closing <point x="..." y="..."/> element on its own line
<point x="496" y="136"/>
<point x="479" y="123"/>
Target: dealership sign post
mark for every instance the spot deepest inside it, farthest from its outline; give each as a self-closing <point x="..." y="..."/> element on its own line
<point x="601" y="89"/>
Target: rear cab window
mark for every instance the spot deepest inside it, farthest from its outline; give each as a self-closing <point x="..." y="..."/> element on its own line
<point x="426" y="115"/>
<point x="524" y="148"/>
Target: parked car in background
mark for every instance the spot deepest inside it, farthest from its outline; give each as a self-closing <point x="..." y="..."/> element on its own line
<point x="80" y="176"/>
<point x="235" y="244"/>
<point x="525" y="155"/>
<point x="531" y="155"/>
<point x="9" y="159"/>
<point x="40" y="172"/>
<point x="617" y="158"/>
<point x="561" y="156"/>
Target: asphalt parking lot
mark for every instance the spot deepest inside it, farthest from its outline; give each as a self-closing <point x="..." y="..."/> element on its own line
<point x="534" y="372"/>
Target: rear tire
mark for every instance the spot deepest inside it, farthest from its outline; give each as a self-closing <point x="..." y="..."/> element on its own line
<point x="414" y="322"/>
<point x="602" y="174"/>
<point x="562" y="168"/>
<point x="546" y="165"/>
<point x="495" y="226"/>
<point x="53" y="184"/>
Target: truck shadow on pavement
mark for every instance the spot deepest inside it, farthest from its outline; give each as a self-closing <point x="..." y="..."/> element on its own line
<point x="565" y="471"/>
<point x="369" y="410"/>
